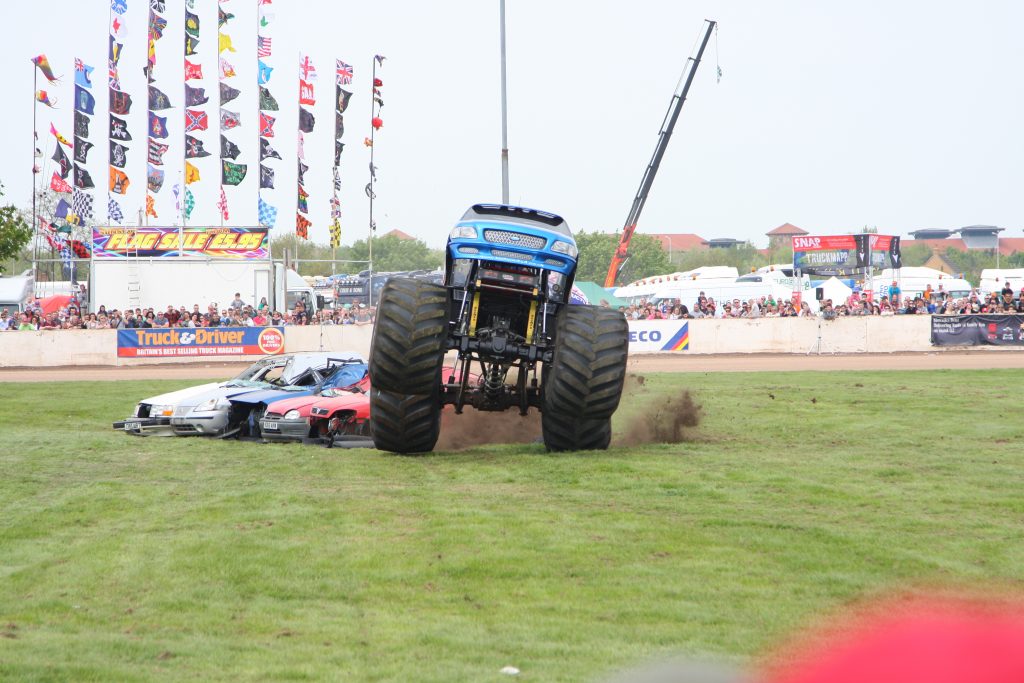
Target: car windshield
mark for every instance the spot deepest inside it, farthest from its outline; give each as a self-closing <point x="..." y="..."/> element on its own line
<point x="256" y="367"/>
<point x="247" y="383"/>
<point x="345" y="375"/>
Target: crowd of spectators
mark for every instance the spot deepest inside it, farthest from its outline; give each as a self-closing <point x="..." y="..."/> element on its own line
<point x="236" y="314"/>
<point x="930" y="302"/>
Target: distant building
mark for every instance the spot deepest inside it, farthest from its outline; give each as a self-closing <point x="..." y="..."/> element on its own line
<point x="724" y="243"/>
<point x="783" y="235"/>
<point x="399" y="234"/>
<point x="680" y="241"/>
<point x="971" y="237"/>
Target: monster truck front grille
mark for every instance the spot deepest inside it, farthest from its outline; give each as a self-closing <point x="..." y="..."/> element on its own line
<point x="516" y="238"/>
<point x="502" y="253"/>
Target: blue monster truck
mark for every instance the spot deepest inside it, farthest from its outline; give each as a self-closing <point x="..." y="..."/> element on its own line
<point x="503" y="306"/>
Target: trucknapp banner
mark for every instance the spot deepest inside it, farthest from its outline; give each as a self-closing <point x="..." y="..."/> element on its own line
<point x="150" y="242"/>
<point x="160" y="342"/>
<point x="975" y="330"/>
<point x="844" y="255"/>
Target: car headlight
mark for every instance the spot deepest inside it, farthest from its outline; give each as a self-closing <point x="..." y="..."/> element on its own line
<point x="291" y="415"/>
<point x="566" y="248"/>
<point x="161" y="410"/>
<point x="462" y="231"/>
<point x="212" y="404"/>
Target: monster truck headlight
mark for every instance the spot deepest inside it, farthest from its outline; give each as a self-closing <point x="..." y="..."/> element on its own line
<point x="467" y="231"/>
<point x="556" y="286"/>
<point x="291" y="415"/>
<point x="566" y="248"/>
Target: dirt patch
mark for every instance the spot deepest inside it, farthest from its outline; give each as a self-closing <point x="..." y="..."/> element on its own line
<point x="665" y="420"/>
<point x="476" y="428"/>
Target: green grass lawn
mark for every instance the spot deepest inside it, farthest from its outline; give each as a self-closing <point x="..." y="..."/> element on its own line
<point x="167" y="559"/>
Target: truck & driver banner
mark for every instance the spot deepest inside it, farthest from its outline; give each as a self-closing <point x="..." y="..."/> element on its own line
<point x="151" y="242"/>
<point x="845" y="255"/>
<point x="976" y="330"/>
<point x="159" y="342"/>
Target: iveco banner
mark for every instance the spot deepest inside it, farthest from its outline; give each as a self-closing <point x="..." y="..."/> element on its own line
<point x="249" y="243"/>
<point x="650" y="336"/>
<point x="160" y="342"/>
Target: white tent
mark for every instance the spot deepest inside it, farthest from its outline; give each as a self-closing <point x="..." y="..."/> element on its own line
<point x="836" y="290"/>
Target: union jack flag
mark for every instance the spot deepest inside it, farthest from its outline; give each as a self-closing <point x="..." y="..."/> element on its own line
<point x="263" y="46"/>
<point x="344" y="72"/>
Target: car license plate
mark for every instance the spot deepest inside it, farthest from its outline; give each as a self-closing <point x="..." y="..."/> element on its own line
<point x="270" y="426"/>
<point x="132" y="426"/>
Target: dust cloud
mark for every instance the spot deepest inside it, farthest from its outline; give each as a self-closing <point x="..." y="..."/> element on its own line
<point x="476" y="428"/>
<point x="661" y="420"/>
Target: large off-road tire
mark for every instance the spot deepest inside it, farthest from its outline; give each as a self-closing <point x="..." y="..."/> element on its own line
<point x="404" y="423"/>
<point x="568" y="433"/>
<point x="589" y="368"/>
<point x="407" y="352"/>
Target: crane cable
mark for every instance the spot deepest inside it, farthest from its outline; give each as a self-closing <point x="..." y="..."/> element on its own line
<point x="718" y="66"/>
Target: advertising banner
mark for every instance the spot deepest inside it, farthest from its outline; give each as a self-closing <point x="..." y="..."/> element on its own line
<point x="976" y="330"/>
<point x="845" y="255"/>
<point x="151" y="242"/>
<point x="160" y="342"/>
<point x="650" y="336"/>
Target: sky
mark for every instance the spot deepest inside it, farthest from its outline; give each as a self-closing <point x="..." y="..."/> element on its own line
<point x="831" y="116"/>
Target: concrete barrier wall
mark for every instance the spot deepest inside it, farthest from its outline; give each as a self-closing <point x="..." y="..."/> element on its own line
<point x="765" y="335"/>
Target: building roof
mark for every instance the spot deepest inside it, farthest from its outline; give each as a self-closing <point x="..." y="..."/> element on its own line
<point x="785" y="230"/>
<point x="1007" y="245"/>
<point x="679" y="241"/>
<point x="399" y="234"/>
<point x="931" y="234"/>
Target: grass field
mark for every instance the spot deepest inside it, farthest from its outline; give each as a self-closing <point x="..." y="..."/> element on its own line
<point x="168" y="559"/>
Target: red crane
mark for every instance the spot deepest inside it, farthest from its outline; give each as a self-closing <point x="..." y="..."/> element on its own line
<point x="621" y="254"/>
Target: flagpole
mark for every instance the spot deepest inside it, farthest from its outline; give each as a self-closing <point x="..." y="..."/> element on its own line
<point x="35" y="216"/>
<point x="373" y="227"/>
<point x="504" y="113"/>
<point x="184" y="143"/>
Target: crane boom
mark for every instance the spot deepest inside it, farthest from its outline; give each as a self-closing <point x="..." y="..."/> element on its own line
<point x="668" y="124"/>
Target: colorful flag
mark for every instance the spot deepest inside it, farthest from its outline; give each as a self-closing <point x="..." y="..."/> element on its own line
<point x="118" y="181"/>
<point x="341" y="99"/>
<point x="226" y="70"/>
<point x="62" y="160"/>
<point x="224" y="43"/>
<point x="307" y="69"/>
<point x="60" y="138"/>
<point x="157" y="25"/>
<point x="82" y="148"/>
<point x="193" y="71"/>
<point x="118" y="155"/>
<point x="120" y="102"/>
<point x="343" y="72"/>
<point x="302" y="173"/>
<point x="83" y="180"/>
<point x="195" y="96"/>
<point x="232" y="174"/>
<point x="154" y="179"/>
<point x="266" y="151"/>
<point x="119" y="129"/>
<point x="83" y="74"/>
<point x="84" y="101"/>
<point x="266" y="177"/>
<point x="196" y="120"/>
<point x="114" y="210"/>
<point x="81" y="125"/>
<point x="119" y="6"/>
<point x="335" y="234"/>
<point x="263" y="46"/>
<point x="227" y="93"/>
<point x="191" y="23"/>
<point x="81" y="204"/>
<point x="229" y="119"/>
<point x="191" y="45"/>
<point x="41" y="96"/>
<point x="191" y="174"/>
<point x="150" y="206"/>
<point x="228" y="149"/>
<point x="158" y="101"/>
<point x="267" y="101"/>
<point x="267" y="213"/>
<point x="190" y="203"/>
<point x="302" y="200"/>
<point x="58" y="184"/>
<point x="157" y="5"/>
<point x="302" y="225"/>
<point x="223" y="17"/>
<point x="156" y="152"/>
<point x="157" y="126"/>
<point x="339" y="147"/>
<point x="62" y="210"/>
<point x="194" y="148"/>
<point x="306" y="120"/>
<point x="265" y="17"/>
<point x="339" y="126"/>
<point x="266" y="125"/>
<point x="114" y="50"/>
<point x="264" y="71"/>
<point x="380" y="59"/>
<point x="301" y="146"/>
<point x="222" y="204"/>
<point x="306" y="93"/>
<point x="44" y="65"/>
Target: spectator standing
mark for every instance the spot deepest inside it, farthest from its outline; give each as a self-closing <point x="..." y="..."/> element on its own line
<point x="237" y="303"/>
<point x="5" y="319"/>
